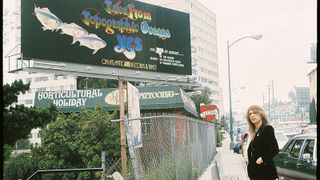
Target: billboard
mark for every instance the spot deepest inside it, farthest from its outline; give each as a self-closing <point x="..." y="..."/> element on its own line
<point x="120" y="34"/>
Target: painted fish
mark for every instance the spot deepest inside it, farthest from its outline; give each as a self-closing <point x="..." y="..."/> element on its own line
<point x="73" y="29"/>
<point x="91" y="41"/>
<point x="47" y="19"/>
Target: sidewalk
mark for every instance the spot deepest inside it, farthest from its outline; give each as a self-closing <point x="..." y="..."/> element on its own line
<point x="227" y="165"/>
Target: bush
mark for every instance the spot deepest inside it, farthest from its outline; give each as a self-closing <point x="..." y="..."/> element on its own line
<point x="7" y="150"/>
<point x="196" y="173"/>
<point x="20" y="167"/>
<point x="219" y="138"/>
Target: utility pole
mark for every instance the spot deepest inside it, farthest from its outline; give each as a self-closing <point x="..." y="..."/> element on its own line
<point x="272" y="93"/>
<point x="273" y="101"/>
<point x="122" y="131"/>
<point x="269" y="100"/>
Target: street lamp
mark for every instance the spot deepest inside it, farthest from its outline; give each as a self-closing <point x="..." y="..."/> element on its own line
<point x="242" y="87"/>
<point x="229" y="45"/>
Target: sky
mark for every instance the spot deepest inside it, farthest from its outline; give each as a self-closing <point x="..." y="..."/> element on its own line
<point x="281" y="55"/>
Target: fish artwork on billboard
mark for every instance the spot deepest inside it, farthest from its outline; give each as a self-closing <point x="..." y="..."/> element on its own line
<point x="91" y="41"/>
<point x="73" y="30"/>
<point x="47" y="19"/>
<point x="51" y="22"/>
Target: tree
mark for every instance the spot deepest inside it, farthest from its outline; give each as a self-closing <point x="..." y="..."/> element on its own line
<point x="223" y="122"/>
<point x="203" y="97"/>
<point x="19" y="167"/>
<point x="18" y="119"/>
<point x="76" y="140"/>
<point x="96" y="83"/>
<point x="313" y="112"/>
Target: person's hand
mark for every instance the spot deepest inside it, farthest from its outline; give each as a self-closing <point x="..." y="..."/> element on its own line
<point x="259" y="160"/>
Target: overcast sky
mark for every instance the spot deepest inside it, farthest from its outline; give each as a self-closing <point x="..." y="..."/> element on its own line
<point x="281" y="55"/>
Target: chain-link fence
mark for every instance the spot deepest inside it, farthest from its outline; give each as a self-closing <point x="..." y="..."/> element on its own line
<point x="174" y="147"/>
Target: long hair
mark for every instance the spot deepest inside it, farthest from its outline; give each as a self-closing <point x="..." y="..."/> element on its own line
<point x="259" y="110"/>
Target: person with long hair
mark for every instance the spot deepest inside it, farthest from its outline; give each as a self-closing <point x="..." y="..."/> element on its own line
<point x="263" y="146"/>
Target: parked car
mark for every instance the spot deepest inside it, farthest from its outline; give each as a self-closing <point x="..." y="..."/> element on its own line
<point x="282" y="139"/>
<point x="298" y="158"/>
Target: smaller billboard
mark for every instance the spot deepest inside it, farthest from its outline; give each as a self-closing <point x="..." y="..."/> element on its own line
<point x="209" y="113"/>
<point x="155" y="97"/>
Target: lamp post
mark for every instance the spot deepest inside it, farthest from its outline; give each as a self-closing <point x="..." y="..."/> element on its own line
<point x="229" y="45"/>
<point x="242" y="87"/>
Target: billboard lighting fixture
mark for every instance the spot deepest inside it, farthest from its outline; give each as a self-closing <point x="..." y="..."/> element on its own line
<point x="62" y="65"/>
<point x="50" y="64"/>
<point x="88" y="68"/>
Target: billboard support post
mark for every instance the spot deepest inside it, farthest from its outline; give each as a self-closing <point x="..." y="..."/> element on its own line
<point x="122" y="131"/>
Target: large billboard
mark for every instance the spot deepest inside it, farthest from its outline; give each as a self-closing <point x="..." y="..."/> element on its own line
<point x="113" y="33"/>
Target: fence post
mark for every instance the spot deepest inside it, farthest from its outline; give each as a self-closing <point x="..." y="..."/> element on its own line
<point x="103" y="164"/>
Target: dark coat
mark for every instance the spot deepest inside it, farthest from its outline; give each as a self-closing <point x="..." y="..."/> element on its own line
<point x="264" y="145"/>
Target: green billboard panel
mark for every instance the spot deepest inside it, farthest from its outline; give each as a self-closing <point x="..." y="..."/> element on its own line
<point x="121" y="34"/>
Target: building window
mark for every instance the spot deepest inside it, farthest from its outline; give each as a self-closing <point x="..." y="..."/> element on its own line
<point x="28" y="80"/>
<point x="41" y="78"/>
<point x="41" y="89"/>
<point x="35" y="135"/>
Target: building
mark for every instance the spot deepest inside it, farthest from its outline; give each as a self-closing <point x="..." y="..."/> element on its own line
<point x="313" y="85"/>
<point x="302" y="100"/>
<point x="203" y="43"/>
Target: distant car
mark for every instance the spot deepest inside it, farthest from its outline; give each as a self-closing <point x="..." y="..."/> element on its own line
<point x="309" y="129"/>
<point x="282" y="139"/>
<point x="298" y="158"/>
<point x="291" y="131"/>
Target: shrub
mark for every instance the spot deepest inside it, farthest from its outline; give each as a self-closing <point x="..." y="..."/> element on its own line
<point x="20" y="167"/>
